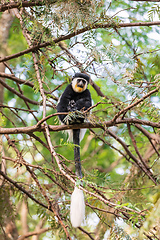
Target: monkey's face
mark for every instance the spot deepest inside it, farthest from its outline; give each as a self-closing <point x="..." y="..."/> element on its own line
<point x="79" y="84"/>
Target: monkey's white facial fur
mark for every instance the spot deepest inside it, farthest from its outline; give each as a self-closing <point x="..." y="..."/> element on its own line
<point x="79" y="84"/>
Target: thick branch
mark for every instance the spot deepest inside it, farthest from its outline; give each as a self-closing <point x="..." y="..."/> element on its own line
<point x="145" y="0"/>
<point x="56" y="128"/>
<point x="7" y="6"/>
<point x="17" y="80"/>
<point x="76" y="33"/>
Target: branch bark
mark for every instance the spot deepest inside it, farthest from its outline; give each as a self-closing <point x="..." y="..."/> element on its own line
<point x="145" y="0"/>
<point x="135" y="103"/>
<point x="55" y="128"/>
<point x="18" y="186"/>
<point x="18" y="80"/>
<point x="38" y="232"/>
<point x="8" y="6"/>
<point x="140" y="164"/>
<point x="17" y="93"/>
<point x="78" y="32"/>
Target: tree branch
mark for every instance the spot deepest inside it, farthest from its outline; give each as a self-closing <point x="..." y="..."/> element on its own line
<point x="56" y="128"/>
<point x="18" y="94"/>
<point x="38" y="232"/>
<point x="135" y="103"/>
<point x="145" y="0"/>
<point x="149" y="136"/>
<point x="76" y="33"/>
<point x="141" y="165"/>
<point x="22" y="189"/>
<point x="8" y="6"/>
<point x="17" y="80"/>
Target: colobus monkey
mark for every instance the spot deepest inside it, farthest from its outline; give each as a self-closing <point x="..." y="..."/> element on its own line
<point x="76" y="97"/>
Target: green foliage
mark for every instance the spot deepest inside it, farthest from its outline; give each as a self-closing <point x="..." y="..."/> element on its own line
<point x="152" y="220"/>
<point x="7" y="207"/>
<point x="15" y="35"/>
<point x="155" y="9"/>
<point x="124" y="64"/>
<point x="119" y="233"/>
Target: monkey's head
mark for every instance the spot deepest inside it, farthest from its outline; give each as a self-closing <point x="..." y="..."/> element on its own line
<point x="80" y="82"/>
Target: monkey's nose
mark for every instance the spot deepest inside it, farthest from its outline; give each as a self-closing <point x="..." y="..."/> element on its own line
<point x="80" y="84"/>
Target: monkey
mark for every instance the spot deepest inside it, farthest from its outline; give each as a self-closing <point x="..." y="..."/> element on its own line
<point x="76" y="97"/>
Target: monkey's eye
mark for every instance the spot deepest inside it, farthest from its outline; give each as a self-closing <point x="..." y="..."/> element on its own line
<point x="81" y="80"/>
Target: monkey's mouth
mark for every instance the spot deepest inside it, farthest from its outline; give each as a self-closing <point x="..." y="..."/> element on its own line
<point x="79" y="88"/>
<point x="80" y="85"/>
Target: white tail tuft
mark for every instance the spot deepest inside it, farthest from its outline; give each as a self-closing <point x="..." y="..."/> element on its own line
<point x="77" y="208"/>
<point x="70" y="134"/>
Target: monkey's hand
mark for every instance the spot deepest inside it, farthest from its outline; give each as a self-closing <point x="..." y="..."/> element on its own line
<point x="74" y="117"/>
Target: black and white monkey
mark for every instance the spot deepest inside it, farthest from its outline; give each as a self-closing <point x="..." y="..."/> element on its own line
<point x="76" y="97"/>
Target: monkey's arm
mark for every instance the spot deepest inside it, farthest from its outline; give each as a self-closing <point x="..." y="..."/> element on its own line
<point x="84" y="102"/>
<point x="63" y="102"/>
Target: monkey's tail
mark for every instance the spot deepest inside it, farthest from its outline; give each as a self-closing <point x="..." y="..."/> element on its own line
<point x="76" y="141"/>
<point x="77" y="208"/>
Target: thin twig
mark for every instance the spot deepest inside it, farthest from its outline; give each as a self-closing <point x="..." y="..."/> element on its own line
<point x="135" y="103"/>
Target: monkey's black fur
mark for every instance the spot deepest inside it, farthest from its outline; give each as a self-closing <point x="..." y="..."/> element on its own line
<point x="72" y="101"/>
<point x="76" y="133"/>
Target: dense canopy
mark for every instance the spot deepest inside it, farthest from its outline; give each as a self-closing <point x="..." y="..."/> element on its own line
<point x="42" y="45"/>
